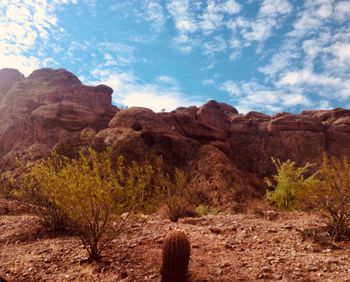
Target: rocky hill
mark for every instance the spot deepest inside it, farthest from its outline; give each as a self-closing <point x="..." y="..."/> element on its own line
<point x="225" y="153"/>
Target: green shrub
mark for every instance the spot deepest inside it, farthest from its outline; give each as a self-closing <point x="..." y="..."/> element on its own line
<point x="206" y="210"/>
<point x="87" y="194"/>
<point x="175" y="192"/>
<point x="331" y="197"/>
<point x="7" y="184"/>
<point x="288" y="183"/>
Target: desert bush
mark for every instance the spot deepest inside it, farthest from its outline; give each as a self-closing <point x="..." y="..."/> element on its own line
<point x="88" y="194"/>
<point x="175" y="192"/>
<point x="87" y="134"/>
<point x="7" y="184"/>
<point x="206" y="210"/>
<point x="257" y="207"/>
<point x="331" y="197"/>
<point x="288" y="182"/>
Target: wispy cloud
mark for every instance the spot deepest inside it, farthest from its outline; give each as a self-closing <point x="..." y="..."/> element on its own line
<point x="251" y="95"/>
<point x="24" y="25"/>
<point x="130" y="91"/>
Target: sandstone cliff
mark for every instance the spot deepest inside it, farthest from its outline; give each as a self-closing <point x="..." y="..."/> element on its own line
<point x="225" y="153"/>
<point x="43" y="109"/>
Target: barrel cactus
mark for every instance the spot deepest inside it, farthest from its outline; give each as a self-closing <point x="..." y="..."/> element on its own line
<point x="176" y="256"/>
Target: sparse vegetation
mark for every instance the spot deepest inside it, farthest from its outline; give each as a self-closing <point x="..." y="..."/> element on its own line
<point x="257" y="207"/>
<point x="87" y="194"/>
<point x="289" y="181"/>
<point x="176" y="194"/>
<point x="331" y="197"/>
<point x="327" y="191"/>
<point x="7" y="183"/>
<point x="206" y="210"/>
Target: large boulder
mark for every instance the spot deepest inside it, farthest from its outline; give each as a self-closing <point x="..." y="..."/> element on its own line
<point x="43" y="109"/>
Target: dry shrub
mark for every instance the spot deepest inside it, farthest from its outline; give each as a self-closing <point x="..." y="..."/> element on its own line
<point x="320" y="235"/>
<point x="87" y="194"/>
<point x="175" y="192"/>
<point x="206" y="210"/>
<point x="258" y="207"/>
<point x="331" y="197"/>
<point x="7" y="185"/>
<point x="327" y="192"/>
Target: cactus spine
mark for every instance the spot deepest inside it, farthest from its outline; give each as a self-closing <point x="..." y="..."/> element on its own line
<point x="176" y="256"/>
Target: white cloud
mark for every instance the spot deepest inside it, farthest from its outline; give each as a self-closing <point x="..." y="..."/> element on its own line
<point x="307" y="77"/>
<point x="131" y="91"/>
<point x="217" y="44"/>
<point x="342" y="10"/>
<point x="208" y="82"/>
<point x="279" y="61"/>
<point x="231" y="87"/>
<point x="184" y="43"/>
<point x="231" y="7"/>
<point x="270" y="16"/>
<point x="114" y="54"/>
<point x="155" y="15"/>
<point x="313" y="59"/>
<point x="213" y="18"/>
<point x="182" y="16"/>
<point x="250" y="96"/>
<point x="166" y="79"/>
<point x="24" y="23"/>
<point x="342" y="52"/>
<point x="273" y="8"/>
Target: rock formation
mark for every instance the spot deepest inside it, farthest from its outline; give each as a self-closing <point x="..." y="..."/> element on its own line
<point x="225" y="153"/>
<point x="45" y="108"/>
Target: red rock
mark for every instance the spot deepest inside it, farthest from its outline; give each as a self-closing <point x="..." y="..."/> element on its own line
<point x="291" y="122"/>
<point x="224" y="153"/>
<point x="216" y="115"/>
<point x="7" y="78"/>
<point x="48" y="106"/>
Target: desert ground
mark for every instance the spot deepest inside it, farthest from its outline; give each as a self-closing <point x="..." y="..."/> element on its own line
<point x="225" y="247"/>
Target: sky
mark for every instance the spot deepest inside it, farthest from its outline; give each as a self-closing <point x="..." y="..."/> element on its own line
<point x="262" y="55"/>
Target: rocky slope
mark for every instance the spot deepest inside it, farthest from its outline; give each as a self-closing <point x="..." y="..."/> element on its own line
<point x="225" y="153"/>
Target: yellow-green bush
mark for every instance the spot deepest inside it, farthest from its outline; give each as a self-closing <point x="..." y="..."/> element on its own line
<point x="206" y="210"/>
<point x="7" y="184"/>
<point x="331" y="197"/>
<point x="87" y="193"/>
<point x="289" y="181"/>
<point x="174" y="191"/>
<point x="327" y="191"/>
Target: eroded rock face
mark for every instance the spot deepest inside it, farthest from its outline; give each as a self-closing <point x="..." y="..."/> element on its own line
<point x="43" y="109"/>
<point x="7" y="78"/>
<point x="183" y="142"/>
<point x="224" y="153"/>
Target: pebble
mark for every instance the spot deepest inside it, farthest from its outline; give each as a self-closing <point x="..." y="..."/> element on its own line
<point x="215" y="230"/>
<point x="266" y="269"/>
<point x="314" y="268"/>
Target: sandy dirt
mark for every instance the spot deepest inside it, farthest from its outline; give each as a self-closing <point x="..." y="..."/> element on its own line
<point x="224" y="248"/>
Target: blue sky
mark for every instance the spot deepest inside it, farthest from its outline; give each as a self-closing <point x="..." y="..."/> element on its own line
<point x="263" y="55"/>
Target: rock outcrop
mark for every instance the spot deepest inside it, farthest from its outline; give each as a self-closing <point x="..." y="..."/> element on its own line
<point x="44" y="109"/>
<point x="225" y="153"/>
